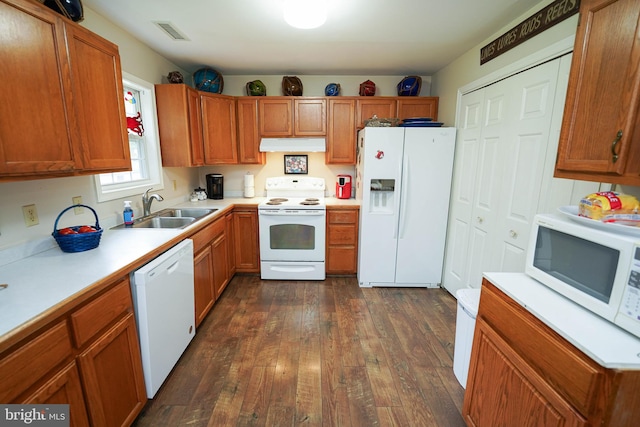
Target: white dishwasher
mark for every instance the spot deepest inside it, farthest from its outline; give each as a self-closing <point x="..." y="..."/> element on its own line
<point x="163" y="297"/>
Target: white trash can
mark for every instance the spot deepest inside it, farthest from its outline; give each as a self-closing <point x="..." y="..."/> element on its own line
<point x="468" y="301"/>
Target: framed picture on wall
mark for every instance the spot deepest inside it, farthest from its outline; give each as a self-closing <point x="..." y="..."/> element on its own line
<point x="295" y="164"/>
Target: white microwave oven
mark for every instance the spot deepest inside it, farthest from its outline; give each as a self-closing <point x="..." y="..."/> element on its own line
<point x="596" y="265"/>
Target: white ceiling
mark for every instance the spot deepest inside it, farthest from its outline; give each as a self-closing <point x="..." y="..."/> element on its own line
<point x="374" y="37"/>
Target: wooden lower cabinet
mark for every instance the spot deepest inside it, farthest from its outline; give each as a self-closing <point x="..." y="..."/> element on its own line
<point x="247" y="246"/>
<point x="342" y="240"/>
<point x="88" y="358"/>
<point x="522" y="373"/>
<point x="64" y="388"/>
<point x="211" y="265"/>
<point x="112" y="379"/>
<point x="204" y="293"/>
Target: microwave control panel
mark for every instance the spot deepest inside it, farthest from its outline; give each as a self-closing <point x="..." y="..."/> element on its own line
<point x="631" y="299"/>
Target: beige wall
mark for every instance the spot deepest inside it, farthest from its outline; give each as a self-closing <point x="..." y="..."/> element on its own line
<point x="467" y="69"/>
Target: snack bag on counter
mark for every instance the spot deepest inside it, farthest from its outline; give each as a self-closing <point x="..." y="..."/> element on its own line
<point x="608" y="206"/>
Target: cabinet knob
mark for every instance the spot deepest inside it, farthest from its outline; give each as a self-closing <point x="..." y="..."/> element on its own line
<point x="513" y="234"/>
<point x="480" y="220"/>
<point x="614" y="152"/>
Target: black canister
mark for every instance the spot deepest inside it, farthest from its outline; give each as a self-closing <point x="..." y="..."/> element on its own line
<point x="215" y="186"/>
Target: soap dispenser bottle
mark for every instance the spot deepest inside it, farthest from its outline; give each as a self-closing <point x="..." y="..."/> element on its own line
<point x="127" y="213"/>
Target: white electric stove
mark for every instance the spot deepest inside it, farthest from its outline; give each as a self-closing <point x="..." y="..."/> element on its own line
<point x="292" y="229"/>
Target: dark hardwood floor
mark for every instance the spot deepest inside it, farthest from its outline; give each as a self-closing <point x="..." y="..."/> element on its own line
<point x="281" y="353"/>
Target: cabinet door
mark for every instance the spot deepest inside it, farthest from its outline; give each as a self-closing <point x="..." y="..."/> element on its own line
<point x="112" y="376"/>
<point x="246" y="240"/>
<point x="219" y="253"/>
<point x="310" y="117"/>
<point x="341" y="135"/>
<point x="203" y="283"/>
<point x="422" y="106"/>
<point x="248" y="132"/>
<point x="231" y="244"/>
<point x="64" y="388"/>
<point x="503" y="390"/>
<point x="34" y="90"/>
<point x="219" y="129"/>
<point x="276" y="117"/>
<point x="383" y="108"/>
<point x="179" y="125"/>
<point x="98" y="99"/>
<point x="599" y="136"/>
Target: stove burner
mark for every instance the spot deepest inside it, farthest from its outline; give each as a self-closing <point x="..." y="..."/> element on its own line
<point x="309" y="202"/>
<point x="273" y="203"/>
<point x="311" y="199"/>
<point x="278" y="199"/>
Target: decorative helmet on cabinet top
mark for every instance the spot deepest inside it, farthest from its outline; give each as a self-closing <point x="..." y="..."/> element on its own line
<point x="256" y="88"/>
<point x="291" y="86"/>
<point x="410" y="86"/>
<point x="332" y="89"/>
<point x="208" y="80"/>
<point x="367" y="88"/>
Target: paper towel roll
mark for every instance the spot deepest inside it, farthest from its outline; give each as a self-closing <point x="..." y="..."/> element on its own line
<point x="248" y="180"/>
<point x="249" y="191"/>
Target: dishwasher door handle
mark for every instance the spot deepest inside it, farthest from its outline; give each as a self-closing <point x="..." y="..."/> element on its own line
<point x="173" y="267"/>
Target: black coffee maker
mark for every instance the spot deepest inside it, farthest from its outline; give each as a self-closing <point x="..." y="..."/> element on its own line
<point x="215" y="186"/>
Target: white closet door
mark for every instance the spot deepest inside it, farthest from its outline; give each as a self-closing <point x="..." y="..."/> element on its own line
<point x="503" y="172"/>
<point x="456" y="270"/>
<point x="527" y="140"/>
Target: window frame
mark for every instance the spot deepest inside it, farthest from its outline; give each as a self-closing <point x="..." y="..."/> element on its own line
<point x="154" y="161"/>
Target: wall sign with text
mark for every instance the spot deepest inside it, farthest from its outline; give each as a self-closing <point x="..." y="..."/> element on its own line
<point x="551" y="15"/>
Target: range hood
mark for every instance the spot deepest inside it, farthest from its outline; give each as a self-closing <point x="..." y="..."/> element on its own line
<point x="293" y="145"/>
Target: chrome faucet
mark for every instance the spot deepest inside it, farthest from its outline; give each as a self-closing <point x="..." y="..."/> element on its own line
<point x="147" y="199"/>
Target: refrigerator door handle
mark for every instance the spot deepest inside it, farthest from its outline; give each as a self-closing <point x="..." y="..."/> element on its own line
<point x="403" y="195"/>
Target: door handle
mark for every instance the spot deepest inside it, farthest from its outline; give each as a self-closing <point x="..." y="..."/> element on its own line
<point x="614" y="145"/>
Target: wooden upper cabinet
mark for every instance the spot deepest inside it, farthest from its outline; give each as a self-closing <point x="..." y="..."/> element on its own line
<point x="248" y="131"/>
<point x="284" y="116"/>
<point x="423" y="106"/>
<point x="310" y="117"/>
<point x="96" y="80"/>
<point x="62" y="94"/>
<point x="276" y="117"/>
<point x="341" y="135"/>
<point x="367" y="107"/>
<point x="219" y="129"/>
<point x="179" y="125"/>
<point x="600" y="133"/>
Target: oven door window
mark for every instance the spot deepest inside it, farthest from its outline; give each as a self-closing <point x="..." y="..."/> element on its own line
<point x="292" y="236"/>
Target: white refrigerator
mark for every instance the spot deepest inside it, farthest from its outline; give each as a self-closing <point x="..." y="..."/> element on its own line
<point x="403" y="183"/>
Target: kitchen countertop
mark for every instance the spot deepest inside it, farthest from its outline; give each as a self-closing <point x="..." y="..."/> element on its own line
<point x="607" y="344"/>
<point x="41" y="282"/>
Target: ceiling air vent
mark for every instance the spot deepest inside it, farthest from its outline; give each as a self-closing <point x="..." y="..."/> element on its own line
<point x="171" y="30"/>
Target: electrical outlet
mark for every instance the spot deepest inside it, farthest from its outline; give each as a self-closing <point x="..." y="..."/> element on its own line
<point x="30" y="215"/>
<point x="77" y="201"/>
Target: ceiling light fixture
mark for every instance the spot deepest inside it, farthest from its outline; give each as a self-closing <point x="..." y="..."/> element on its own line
<point x="305" y="14"/>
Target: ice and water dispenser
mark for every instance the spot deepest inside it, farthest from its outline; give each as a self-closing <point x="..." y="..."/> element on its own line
<point x="382" y="196"/>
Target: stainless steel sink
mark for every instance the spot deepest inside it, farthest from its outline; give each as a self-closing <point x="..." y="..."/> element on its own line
<point x="184" y="212"/>
<point x="170" y="218"/>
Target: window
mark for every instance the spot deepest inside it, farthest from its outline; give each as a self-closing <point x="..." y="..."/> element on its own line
<point x="140" y="108"/>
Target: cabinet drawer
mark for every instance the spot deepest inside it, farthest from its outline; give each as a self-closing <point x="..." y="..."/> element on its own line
<point x="568" y="370"/>
<point x="341" y="235"/>
<point x="342" y="216"/>
<point x="22" y="368"/>
<point x="203" y="237"/>
<point x="101" y="312"/>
